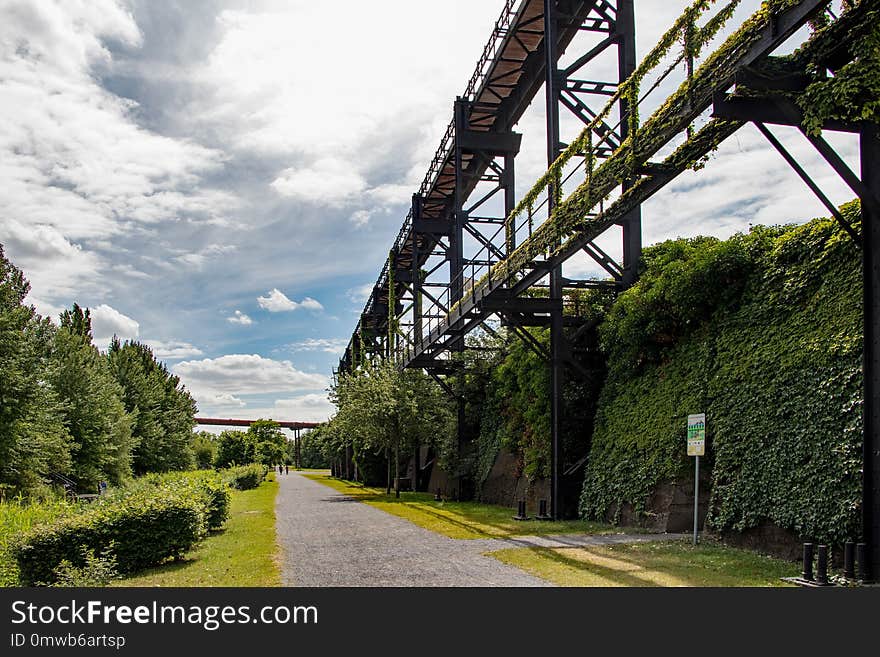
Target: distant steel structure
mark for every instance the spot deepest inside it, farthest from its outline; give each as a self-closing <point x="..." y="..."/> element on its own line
<point x="210" y="421"/>
<point x="296" y="427"/>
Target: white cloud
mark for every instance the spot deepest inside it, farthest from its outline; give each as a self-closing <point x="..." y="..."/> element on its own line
<point x="311" y="407"/>
<point x="172" y="350"/>
<point x="74" y="163"/>
<point x="107" y="322"/>
<point x="241" y="374"/>
<point x="221" y="400"/>
<point x="327" y="181"/>
<point x="198" y="259"/>
<point x="276" y="301"/>
<point x="239" y="317"/>
<point x="329" y="346"/>
<point x="360" y="294"/>
<point x="362" y="217"/>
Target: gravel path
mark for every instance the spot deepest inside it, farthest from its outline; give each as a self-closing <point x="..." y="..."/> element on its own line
<point x="330" y="539"/>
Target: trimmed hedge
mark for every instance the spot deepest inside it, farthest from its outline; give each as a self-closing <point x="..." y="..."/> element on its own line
<point x="155" y="518"/>
<point x="245" y="477"/>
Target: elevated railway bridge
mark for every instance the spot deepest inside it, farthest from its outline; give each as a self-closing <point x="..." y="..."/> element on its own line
<point x="469" y="254"/>
<point x="296" y="427"/>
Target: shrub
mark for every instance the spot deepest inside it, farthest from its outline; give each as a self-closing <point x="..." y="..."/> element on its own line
<point x="245" y="477"/>
<point x="97" y="570"/>
<point x="17" y="518"/>
<point x="152" y="519"/>
<point x="145" y="527"/>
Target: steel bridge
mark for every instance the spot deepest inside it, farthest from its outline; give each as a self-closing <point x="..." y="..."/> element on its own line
<point x="469" y="252"/>
<point x="296" y="427"/>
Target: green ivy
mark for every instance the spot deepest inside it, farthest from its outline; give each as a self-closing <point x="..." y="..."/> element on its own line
<point x="762" y="332"/>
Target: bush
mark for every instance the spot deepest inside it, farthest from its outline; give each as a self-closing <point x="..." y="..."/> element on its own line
<point x="97" y="571"/>
<point x="17" y="518"/>
<point x="208" y="486"/>
<point x="155" y="518"/>
<point x="245" y="477"/>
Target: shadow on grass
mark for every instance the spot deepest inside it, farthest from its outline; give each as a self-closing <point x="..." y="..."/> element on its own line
<point x="607" y="573"/>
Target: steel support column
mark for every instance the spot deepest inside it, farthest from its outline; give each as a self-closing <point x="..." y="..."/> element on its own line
<point x="625" y="31"/>
<point x="551" y="28"/>
<point x="870" y="165"/>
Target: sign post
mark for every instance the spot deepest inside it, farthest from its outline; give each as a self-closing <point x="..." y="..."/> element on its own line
<point x="696" y="447"/>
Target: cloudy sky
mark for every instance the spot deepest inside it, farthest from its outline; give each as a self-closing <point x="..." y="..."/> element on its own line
<point x="222" y="179"/>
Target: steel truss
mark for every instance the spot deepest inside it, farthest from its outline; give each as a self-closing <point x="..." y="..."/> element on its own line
<point x="438" y="291"/>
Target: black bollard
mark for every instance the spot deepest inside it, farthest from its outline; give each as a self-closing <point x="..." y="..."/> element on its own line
<point x="822" y="565"/>
<point x="861" y="559"/>
<point x="849" y="556"/>
<point x="521" y="511"/>
<point x="808" y="562"/>
<point x="542" y="510"/>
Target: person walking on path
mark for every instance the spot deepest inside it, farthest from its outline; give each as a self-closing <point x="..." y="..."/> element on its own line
<point x="286" y="468"/>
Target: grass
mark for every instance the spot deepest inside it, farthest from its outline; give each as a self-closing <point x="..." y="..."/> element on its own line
<point x="17" y="517"/>
<point x="666" y="563"/>
<point x="459" y="519"/>
<point x="244" y="553"/>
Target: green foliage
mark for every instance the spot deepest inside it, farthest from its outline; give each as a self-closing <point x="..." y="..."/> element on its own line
<point x="245" y="477"/>
<point x="310" y="449"/>
<point x="852" y="94"/>
<point x="163" y="410"/>
<point x="520" y="388"/>
<point x="233" y="447"/>
<point x="204" y="449"/>
<point x="382" y="410"/>
<point x="770" y="350"/>
<point x="92" y="408"/>
<point x="96" y="570"/>
<point x="19" y="516"/>
<point x="153" y="519"/>
<point x="269" y="442"/>
<point x="33" y="438"/>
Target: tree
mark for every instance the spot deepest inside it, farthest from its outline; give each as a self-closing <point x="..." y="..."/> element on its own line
<point x="384" y="409"/>
<point x="33" y="440"/>
<point x="233" y="447"/>
<point x="163" y="410"/>
<point x="93" y="410"/>
<point x="204" y="448"/>
<point x="269" y="442"/>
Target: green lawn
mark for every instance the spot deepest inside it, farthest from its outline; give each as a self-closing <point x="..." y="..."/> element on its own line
<point x="244" y="553"/>
<point x="459" y="519"/>
<point x="666" y="563"/>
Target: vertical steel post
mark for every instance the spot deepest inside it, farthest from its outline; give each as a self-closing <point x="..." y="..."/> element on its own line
<point x="456" y="259"/>
<point x="870" y="165"/>
<point x="696" y="497"/>
<point x="509" y="182"/>
<point x="625" y="31"/>
<point x="551" y="85"/>
<point x="416" y="271"/>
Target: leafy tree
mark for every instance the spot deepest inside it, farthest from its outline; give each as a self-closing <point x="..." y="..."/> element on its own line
<point x="385" y="410"/>
<point x="33" y="439"/>
<point x="269" y="442"/>
<point x="163" y="410"/>
<point x="233" y="447"/>
<point x="93" y="410"/>
<point x="204" y="448"/>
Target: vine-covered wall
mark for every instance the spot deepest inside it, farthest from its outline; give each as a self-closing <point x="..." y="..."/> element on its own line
<point x="762" y="332"/>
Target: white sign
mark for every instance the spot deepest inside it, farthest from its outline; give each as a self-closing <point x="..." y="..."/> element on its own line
<point x="696" y="434"/>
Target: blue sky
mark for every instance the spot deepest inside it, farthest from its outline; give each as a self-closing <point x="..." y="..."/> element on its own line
<point x="223" y="178"/>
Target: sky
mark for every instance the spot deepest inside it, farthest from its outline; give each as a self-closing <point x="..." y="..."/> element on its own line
<point x="222" y="179"/>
